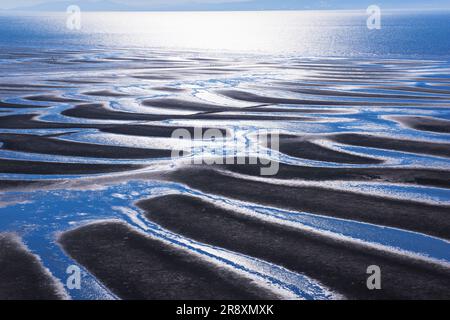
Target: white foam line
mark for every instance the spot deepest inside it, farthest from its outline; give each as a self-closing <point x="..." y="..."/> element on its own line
<point x="56" y="283"/>
<point x="242" y="207"/>
<point x="243" y="260"/>
<point x="335" y="185"/>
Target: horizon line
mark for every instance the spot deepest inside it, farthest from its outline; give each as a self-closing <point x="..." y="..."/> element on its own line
<point x="224" y="10"/>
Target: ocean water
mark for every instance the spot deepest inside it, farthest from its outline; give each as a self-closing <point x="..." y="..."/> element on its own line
<point x="300" y="33"/>
<point x="326" y="72"/>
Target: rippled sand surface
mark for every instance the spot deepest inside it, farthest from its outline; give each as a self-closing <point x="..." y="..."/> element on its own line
<point x="87" y="176"/>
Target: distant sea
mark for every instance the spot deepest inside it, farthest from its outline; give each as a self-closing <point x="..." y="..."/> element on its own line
<point x="301" y="33"/>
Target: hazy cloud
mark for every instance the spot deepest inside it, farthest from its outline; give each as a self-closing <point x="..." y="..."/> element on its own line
<point x="224" y="4"/>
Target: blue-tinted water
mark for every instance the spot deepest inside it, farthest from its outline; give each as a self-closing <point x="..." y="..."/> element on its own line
<point x="307" y="34"/>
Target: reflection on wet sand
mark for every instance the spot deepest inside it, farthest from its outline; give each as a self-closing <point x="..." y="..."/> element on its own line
<point x="347" y="125"/>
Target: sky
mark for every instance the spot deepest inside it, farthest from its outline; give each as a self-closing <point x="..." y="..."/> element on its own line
<point x="118" y="5"/>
